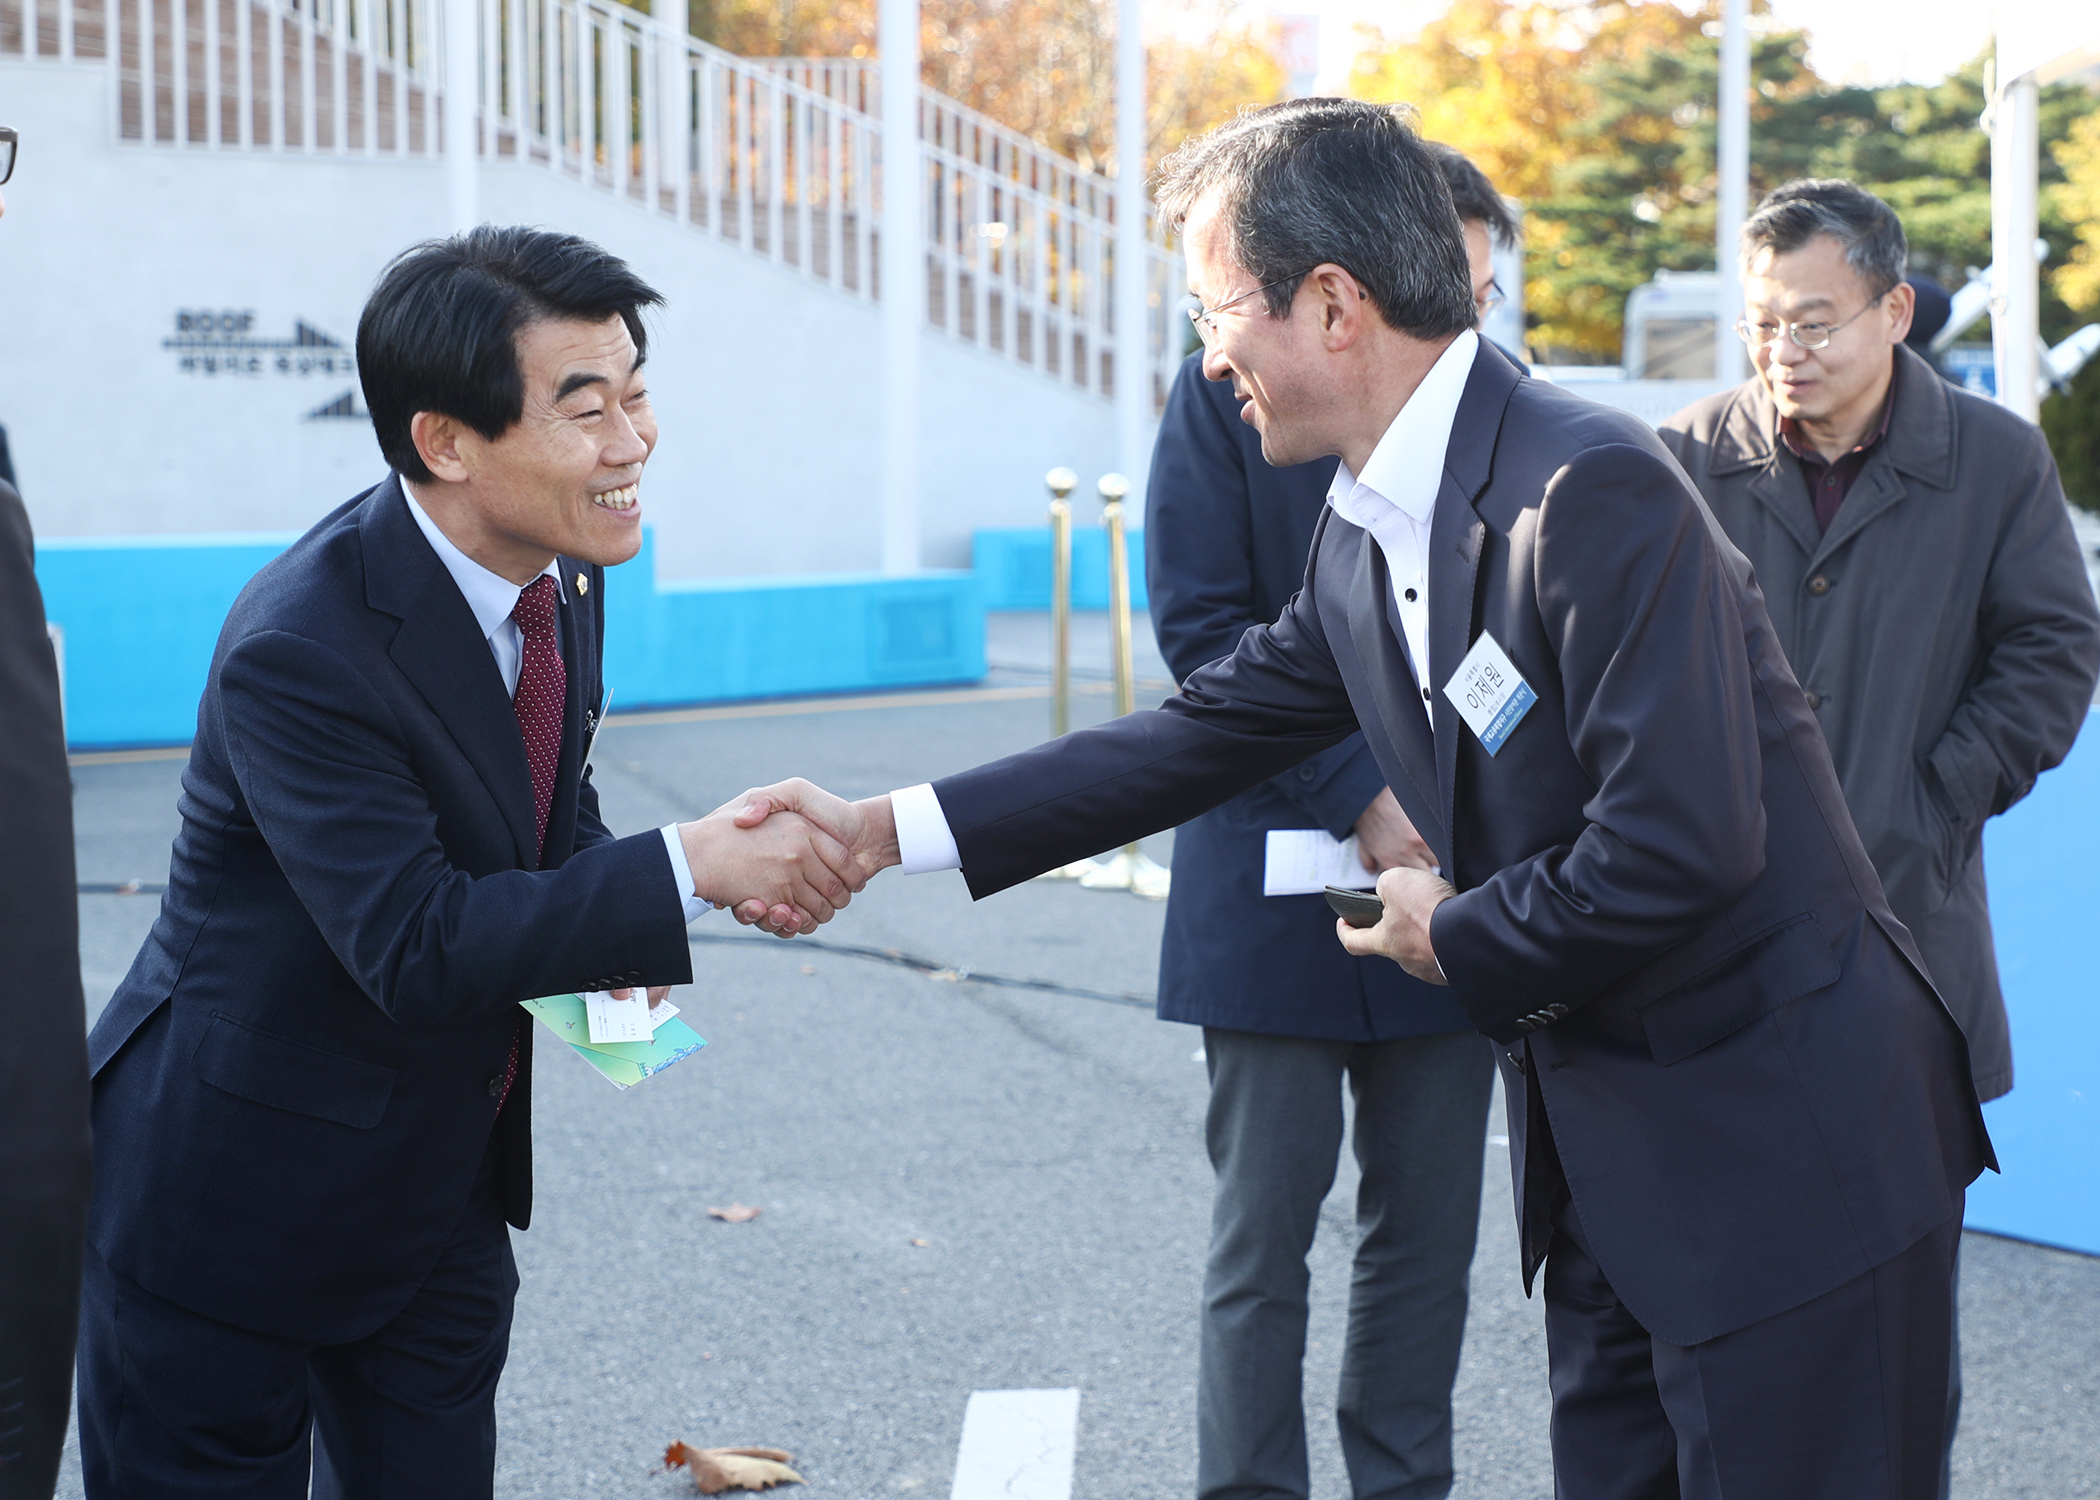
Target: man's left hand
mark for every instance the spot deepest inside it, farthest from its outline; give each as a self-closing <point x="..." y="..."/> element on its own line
<point x="1402" y="934"/>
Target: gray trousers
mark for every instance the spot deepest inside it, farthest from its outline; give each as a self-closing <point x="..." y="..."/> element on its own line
<point x="1275" y="1132"/>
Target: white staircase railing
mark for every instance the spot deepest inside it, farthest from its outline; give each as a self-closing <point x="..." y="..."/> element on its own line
<point x="780" y="157"/>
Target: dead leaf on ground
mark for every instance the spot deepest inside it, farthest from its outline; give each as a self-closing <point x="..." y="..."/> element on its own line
<point x="736" y="1213"/>
<point x="717" y="1469"/>
<point x="921" y="1244"/>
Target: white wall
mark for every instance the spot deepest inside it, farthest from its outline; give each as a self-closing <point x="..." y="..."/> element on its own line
<point x="763" y="380"/>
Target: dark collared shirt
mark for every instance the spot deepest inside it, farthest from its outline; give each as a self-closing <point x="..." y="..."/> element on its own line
<point x="1829" y="482"/>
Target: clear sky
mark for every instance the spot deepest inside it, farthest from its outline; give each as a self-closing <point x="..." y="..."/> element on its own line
<point x="1851" y="41"/>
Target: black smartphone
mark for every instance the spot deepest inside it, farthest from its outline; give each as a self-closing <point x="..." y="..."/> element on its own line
<point x="1357" y="908"/>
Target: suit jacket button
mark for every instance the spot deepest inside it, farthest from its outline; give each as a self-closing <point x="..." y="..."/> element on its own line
<point x="1305" y="773"/>
<point x="1819" y="585"/>
<point x="496" y="1087"/>
<point x="1815" y="700"/>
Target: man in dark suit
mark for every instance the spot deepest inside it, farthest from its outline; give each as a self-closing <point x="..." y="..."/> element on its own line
<point x="313" y="1090"/>
<point x="1288" y="1016"/>
<point x="1741" y="1120"/>
<point x="43" y="1054"/>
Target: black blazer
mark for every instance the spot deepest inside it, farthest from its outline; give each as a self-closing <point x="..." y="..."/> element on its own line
<point x="295" y="1084"/>
<point x="1664" y="912"/>
<point x="1226" y="537"/>
<point x="43" y="1056"/>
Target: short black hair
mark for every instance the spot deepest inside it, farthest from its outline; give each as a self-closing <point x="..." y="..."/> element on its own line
<point x="1333" y="181"/>
<point x="1474" y="196"/>
<point x="440" y="330"/>
<point x="1797" y="212"/>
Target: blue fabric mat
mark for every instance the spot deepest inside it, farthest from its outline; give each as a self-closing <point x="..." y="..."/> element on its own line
<point x="2044" y="862"/>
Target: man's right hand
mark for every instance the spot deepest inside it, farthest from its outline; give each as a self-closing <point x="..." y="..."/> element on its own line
<point x="777" y="869"/>
<point x="866" y="830"/>
<point x="1386" y="840"/>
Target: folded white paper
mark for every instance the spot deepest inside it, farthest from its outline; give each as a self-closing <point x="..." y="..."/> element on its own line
<point x="1305" y="861"/>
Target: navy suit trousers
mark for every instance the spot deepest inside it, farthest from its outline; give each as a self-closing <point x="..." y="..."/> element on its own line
<point x="173" y="1403"/>
<point x="1841" y="1398"/>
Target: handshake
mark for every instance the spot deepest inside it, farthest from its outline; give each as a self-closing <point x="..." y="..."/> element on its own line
<point x="786" y="857"/>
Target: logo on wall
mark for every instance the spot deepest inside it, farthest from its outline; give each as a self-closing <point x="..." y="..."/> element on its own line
<point x="225" y="343"/>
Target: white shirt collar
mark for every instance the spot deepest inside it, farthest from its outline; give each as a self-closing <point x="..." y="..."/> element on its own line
<point x="490" y="595"/>
<point x="1406" y="469"/>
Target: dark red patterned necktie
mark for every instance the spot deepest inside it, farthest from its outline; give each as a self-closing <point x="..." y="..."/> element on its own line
<point x="542" y="696"/>
<point x="543" y="691"/>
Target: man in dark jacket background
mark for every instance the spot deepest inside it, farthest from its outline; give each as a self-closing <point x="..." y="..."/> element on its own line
<point x="43" y="1034"/>
<point x="1289" y="1016"/>
<point x="1919" y="566"/>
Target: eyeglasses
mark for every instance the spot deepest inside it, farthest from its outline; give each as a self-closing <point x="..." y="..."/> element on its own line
<point x="8" y="139"/>
<point x="1804" y="335"/>
<point x="1205" y="317"/>
<point x="1490" y="299"/>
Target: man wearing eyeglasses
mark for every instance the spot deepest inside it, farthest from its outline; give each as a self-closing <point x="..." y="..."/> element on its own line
<point x="1919" y="566"/>
<point x="43" y="1032"/>
<point x="1289" y="1018"/>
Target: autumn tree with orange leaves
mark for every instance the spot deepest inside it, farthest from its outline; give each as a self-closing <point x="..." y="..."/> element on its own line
<point x="1045" y="68"/>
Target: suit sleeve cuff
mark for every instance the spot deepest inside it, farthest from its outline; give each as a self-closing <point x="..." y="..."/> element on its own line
<point x="924" y="841"/>
<point x="682" y="872"/>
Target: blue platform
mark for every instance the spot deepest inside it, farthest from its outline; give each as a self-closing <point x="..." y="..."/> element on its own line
<point x="2044" y="862"/>
<point x="142" y="614"/>
<point x="1013" y="564"/>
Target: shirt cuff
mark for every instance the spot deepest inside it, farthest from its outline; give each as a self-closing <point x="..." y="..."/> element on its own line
<point x="924" y="841"/>
<point x="682" y="872"/>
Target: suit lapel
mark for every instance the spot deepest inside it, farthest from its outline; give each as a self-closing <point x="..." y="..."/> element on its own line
<point x="1387" y="674"/>
<point x="441" y="650"/>
<point x="579" y="656"/>
<point x="1455" y="536"/>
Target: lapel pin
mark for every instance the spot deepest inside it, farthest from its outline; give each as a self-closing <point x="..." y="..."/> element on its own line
<point x="583" y="584"/>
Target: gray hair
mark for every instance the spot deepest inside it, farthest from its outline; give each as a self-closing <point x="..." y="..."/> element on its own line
<point x="1474" y="196"/>
<point x="1333" y="181"/>
<point x="1868" y="228"/>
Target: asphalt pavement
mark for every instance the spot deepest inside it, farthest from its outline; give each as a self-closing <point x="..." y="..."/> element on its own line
<point x="979" y="1163"/>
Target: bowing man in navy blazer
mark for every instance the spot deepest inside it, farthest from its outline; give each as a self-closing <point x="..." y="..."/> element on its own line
<point x="1741" y="1120"/>
<point x="1288" y="1014"/>
<point x="313" y="1089"/>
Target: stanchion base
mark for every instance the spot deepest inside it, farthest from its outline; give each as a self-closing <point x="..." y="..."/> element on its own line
<point x="1078" y="869"/>
<point x="1129" y="870"/>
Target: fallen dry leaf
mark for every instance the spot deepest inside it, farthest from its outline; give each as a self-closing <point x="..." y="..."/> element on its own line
<point x="717" y="1469"/>
<point x="921" y="1244"/>
<point x="736" y="1213"/>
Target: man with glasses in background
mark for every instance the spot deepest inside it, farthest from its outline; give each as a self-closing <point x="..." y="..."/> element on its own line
<point x="43" y="1029"/>
<point x="1289" y="1017"/>
<point x="1919" y="566"/>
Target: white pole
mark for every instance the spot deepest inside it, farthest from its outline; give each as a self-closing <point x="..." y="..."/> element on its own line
<point x="1732" y="203"/>
<point x="1133" y="265"/>
<point x="2016" y="288"/>
<point x="675" y="116"/>
<point x="462" y="86"/>
<point x="903" y="271"/>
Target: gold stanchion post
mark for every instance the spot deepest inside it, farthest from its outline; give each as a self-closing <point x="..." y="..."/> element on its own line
<point x="1062" y="482"/>
<point x="1130" y="869"/>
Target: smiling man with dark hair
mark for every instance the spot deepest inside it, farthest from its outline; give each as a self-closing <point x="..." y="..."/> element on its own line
<point x="313" y="1089"/>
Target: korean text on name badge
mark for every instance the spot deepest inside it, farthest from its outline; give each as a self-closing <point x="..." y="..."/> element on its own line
<point x="1489" y="693"/>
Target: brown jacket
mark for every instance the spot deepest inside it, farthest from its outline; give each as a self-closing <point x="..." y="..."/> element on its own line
<point x="1944" y="630"/>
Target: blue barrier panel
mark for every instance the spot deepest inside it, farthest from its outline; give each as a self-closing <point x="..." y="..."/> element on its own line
<point x="141" y="616"/>
<point x="2044" y="862"/>
<point x="705" y="640"/>
<point x="1013" y="563"/>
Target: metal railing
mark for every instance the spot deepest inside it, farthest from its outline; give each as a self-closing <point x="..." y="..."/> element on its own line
<point x="781" y="157"/>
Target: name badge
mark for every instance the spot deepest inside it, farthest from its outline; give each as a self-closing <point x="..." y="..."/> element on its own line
<point x="1489" y="693"/>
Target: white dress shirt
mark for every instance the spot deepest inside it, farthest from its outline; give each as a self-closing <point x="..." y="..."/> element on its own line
<point x="491" y="597"/>
<point x="1393" y="499"/>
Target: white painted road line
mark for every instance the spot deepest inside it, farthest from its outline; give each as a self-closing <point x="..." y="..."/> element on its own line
<point x="1017" y="1445"/>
